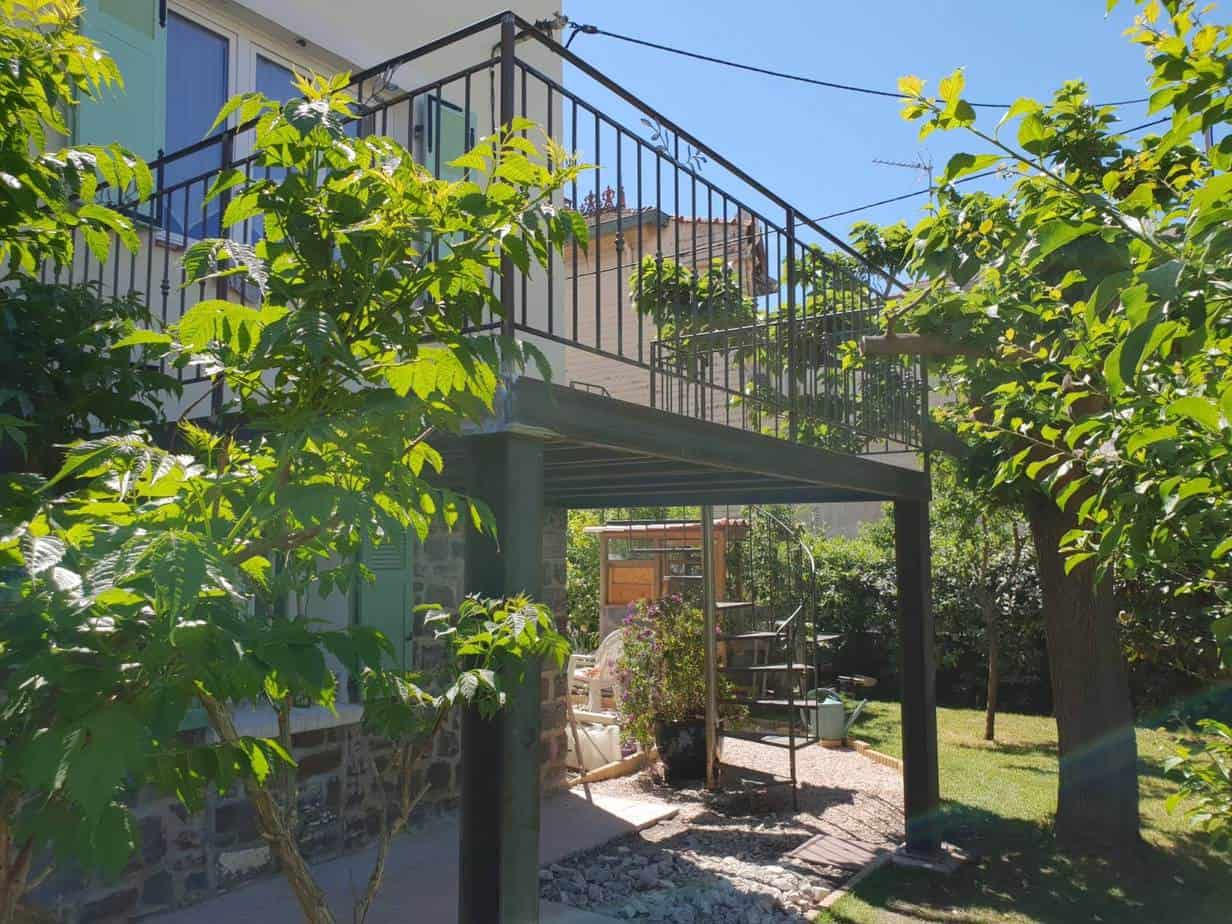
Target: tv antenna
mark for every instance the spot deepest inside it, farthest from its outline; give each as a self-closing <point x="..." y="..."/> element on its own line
<point x="923" y="164"/>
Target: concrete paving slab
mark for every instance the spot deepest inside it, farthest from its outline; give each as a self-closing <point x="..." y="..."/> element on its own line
<point x="421" y="875"/>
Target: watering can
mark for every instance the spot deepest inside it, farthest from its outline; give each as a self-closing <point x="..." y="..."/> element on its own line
<point x="830" y="719"/>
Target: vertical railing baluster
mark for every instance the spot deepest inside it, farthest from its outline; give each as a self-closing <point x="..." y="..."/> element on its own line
<point x="551" y="256"/>
<point x="507" y="51"/>
<point x="726" y="337"/>
<point x="221" y="284"/>
<point x="525" y="276"/>
<point x="619" y="242"/>
<point x="573" y="120"/>
<point x="598" y="250"/>
<point x="641" y="321"/>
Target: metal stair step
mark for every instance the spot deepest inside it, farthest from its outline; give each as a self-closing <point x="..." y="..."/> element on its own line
<point x="764" y="668"/>
<point x="773" y="739"/>
<point x="756" y="701"/>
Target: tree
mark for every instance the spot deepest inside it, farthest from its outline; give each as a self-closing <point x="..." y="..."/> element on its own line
<point x="978" y="538"/>
<point x="153" y="578"/>
<point x="60" y="377"/>
<point x="1083" y="322"/>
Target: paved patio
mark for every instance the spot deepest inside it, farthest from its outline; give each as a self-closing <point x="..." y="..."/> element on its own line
<point x="422" y="872"/>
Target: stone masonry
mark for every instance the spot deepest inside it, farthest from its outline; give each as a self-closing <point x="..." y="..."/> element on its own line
<point x="186" y="858"/>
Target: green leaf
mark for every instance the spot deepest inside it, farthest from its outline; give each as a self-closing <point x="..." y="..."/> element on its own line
<point x="241" y="208"/>
<point x="1057" y="233"/>
<point x="41" y="552"/>
<point x="177" y="567"/>
<point x="113" y="840"/>
<point x="1073" y="561"/>
<point x="1148" y="437"/>
<point x="961" y="165"/>
<point x="1021" y="106"/>
<point x="1136" y="349"/>
<point x="951" y="87"/>
<point x="143" y="337"/>
<point x="1034" y="133"/>
<point x="113" y="744"/>
<point x="910" y="86"/>
<point x="1197" y="409"/>
<point x="227" y="179"/>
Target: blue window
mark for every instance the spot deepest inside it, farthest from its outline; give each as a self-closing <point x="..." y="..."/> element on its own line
<point x="275" y="80"/>
<point x="197" y="87"/>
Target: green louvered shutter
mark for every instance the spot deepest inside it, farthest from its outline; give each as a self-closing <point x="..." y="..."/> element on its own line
<point x="130" y="31"/>
<point x="385" y="604"/>
<point x="448" y="125"/>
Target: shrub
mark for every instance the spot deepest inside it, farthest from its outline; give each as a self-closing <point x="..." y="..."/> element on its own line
<point x="582" y="574"/>
<point x="1206" y="783"/>
<point x="662" y="668"/>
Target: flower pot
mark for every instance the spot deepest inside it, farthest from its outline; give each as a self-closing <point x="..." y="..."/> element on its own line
<point x="682" y="748"/>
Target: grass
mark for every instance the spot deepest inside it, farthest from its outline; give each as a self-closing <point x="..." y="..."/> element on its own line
<point x="999" y="800"/>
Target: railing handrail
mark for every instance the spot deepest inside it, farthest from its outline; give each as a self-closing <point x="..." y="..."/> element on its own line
<point x="795" y="535"/>
<point x="632" y="99"/>
<point x="767" y="322"/>
<point x="530" y="30"/>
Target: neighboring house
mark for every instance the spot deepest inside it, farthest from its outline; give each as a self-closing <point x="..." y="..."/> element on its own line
<point x="605" y="274"/>
<point x="547" y="447"/>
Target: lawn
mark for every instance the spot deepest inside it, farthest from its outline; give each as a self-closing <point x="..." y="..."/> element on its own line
<point x="999" y="799"/>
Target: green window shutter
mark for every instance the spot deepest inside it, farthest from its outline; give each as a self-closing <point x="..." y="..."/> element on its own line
<point x="130" y="31"/>
<point x="452" y="132"/>
<point x="385" y="604"/>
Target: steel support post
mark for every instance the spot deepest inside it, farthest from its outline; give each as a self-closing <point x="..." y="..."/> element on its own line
<point x="921" y="796"/>
<point x="499" y="862"/>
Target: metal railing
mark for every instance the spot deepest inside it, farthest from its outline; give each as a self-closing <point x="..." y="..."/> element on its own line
<point x="702" y="291"/>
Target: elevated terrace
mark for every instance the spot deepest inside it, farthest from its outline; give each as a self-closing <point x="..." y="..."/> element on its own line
<point x="736" y="320"/>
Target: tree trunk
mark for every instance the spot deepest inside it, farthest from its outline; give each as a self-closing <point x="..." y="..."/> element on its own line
<point x="1097" y="797"/>
<point x="309" y="894"/>
<point x="994" y="675"/>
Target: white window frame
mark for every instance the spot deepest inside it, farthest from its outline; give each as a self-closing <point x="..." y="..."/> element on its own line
<point x="245" y="42"/>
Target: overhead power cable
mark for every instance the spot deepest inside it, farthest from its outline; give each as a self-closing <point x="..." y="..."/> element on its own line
<point x="579" y="28"/>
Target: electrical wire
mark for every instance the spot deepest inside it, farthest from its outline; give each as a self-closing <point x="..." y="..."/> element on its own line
<point x="582" y="29"/>
<point x="966" y="179"/>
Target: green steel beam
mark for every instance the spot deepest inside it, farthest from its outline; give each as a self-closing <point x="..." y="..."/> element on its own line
<point x="552" y="411"/>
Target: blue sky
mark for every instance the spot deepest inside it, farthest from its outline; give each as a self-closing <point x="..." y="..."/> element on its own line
<point x="816" y="146"/>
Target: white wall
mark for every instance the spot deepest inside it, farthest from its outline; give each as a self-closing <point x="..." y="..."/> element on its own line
<point x="368" y="31"/>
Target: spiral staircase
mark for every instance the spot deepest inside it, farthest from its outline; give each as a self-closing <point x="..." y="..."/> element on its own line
<point x="771" y="653"/>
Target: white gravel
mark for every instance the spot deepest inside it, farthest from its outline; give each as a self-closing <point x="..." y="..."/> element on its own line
<point x="723" y="857"/>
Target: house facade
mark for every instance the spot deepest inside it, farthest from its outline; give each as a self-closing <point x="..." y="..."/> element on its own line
<point x="660" y="428"/>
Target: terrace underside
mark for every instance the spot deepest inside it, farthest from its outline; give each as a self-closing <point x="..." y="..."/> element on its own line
<point x="600" y="452"/>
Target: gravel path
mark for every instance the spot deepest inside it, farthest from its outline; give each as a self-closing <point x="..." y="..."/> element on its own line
<point x="723" y="857"/>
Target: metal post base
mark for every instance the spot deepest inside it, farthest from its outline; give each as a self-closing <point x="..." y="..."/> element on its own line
<point x="944" y="859"/>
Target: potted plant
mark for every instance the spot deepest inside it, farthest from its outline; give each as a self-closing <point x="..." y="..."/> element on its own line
<point x="663" y="684"/>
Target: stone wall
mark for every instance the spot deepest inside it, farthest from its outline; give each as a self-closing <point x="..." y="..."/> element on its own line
<point x="187" y="858"/>
<point x="553" y="684"/>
